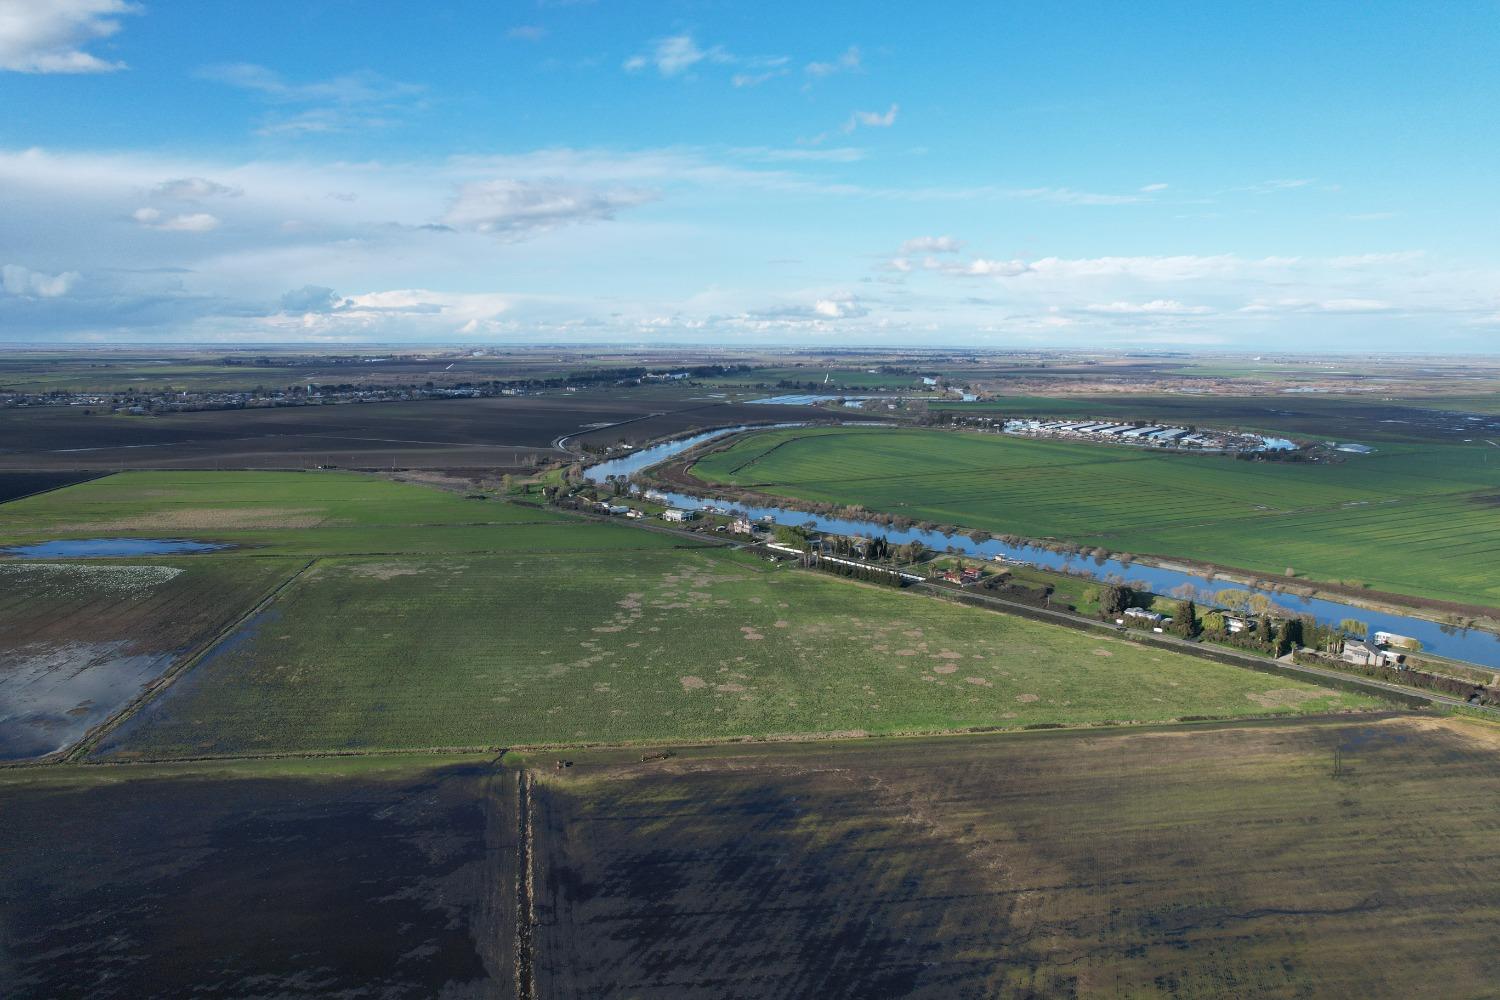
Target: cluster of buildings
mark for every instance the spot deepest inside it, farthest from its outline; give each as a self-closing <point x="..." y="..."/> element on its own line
<point x="145" y="402"/>
<point x="1137" y="433"/>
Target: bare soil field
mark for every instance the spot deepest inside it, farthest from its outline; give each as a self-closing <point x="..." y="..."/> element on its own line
<point x="14" y="485"/>
<point x="352" y="879"/>
<point x="1328" y="856"/>
<point x="1311" y="858"/>
<point x="499" y="431"/>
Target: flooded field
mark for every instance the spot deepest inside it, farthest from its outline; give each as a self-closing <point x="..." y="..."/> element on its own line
<point x="104" y="548"/>
<point x="365" y="881"/>
<point x="80" y="641"/>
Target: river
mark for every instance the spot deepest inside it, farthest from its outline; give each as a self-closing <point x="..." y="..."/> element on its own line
<point x="1469" y="645"/>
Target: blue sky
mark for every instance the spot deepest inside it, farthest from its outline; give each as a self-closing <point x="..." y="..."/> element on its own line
<point x="1271" y="176"/>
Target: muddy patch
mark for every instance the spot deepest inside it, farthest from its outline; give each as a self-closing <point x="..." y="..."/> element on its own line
<point x="1285" y="697"/>
<point x="51" y="695"/>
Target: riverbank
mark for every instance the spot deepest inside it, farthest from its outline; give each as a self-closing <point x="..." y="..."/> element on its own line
<point x="1453" y="614"/>
<point x="1459" y="632"/>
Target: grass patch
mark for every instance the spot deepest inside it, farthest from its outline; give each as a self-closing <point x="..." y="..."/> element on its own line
<point x="303" y="513"/>
<point x="469" y="651"/>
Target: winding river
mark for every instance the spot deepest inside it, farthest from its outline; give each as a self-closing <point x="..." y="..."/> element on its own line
<point x="1470" y="645"/>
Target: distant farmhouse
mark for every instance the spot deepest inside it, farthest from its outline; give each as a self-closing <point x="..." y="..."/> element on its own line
<point x="1368" y="653"/>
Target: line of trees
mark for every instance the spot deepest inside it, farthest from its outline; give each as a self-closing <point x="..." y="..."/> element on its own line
<point x="869" y="574"/>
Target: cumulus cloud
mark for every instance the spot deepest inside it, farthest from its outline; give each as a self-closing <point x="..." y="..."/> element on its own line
<point x="22" y="281"/>
<point x="188" y="222"/>
<point x="49" y="36"/>
<point x="931" y="244"/>
<point x="311" y="299"/>
<point x="839" y="308"/>
<point x="431" y="250"/>
<point x="508" y="207"/>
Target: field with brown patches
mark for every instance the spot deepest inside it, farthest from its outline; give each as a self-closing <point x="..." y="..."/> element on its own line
<point x="416" y="652"/>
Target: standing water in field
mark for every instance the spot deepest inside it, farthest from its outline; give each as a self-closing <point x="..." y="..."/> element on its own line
<point x="1471" y="645"/>
<point x="103" y="548"/>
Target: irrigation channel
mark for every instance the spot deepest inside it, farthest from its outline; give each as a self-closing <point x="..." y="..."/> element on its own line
<point x="1469" y="645"/>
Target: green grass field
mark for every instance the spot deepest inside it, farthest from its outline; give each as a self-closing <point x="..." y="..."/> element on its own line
<point x="302" y="513"/>
<point x="642" y="646"/>
<point x="1423" y="521"/>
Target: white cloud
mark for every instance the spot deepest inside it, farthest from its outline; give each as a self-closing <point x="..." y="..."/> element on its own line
<point x="675" y="55"/>
<point x="49" y="36"/>
<point x="979" y="267"/>
<point x="512" y="208"/>
<point x="1156" y="307"/>
<point x="362" y="99"/>
<point x="931" y="244"/>
<point x="1280" y="184"/>
<point x="194" y="189"/>
<point x="848" y="62"/>
<point x="842" y="308"/>
<point x="433" y="252"/>
<point x="1153" y="188"/>
<point x="189" y="222"/>
<point x="1067" y="196"/>
<point x="18" y="280"/>
<point x="873" y="119"/>
<point x="756" y="79"/>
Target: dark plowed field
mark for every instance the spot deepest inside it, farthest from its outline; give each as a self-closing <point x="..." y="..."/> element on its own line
<point x="14" y="485"/>
<point x="500" y="431"/>
<point x="1347" y="857"/>
<point x="260" y="883"/>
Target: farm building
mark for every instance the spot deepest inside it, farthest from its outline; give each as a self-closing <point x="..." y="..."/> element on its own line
<point x="1367" y="654"/>
<point x="679" y="514"/>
